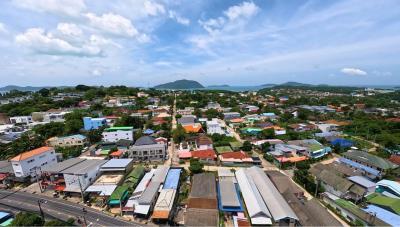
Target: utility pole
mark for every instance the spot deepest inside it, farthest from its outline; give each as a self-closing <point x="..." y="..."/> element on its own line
<point x="316" y="189"/>
<point x="84" y="211"/>
<point x="37" y="179"/>
<point x="40" y="201"/>
<point x="80" y="186"/>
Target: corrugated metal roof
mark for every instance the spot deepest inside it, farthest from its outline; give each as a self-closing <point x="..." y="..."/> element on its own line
<point x="275" y="202"/>
<point x="225" y="173"/>
<point x="362" y="181"/>
<point x="203" y="186"/>
<point x="117" y="163"/>
<point x="228" y="193"/>
<point x="103" y="190"/>
<point x="165" y="200"/>
<point x="160" y="174"/>
<point x="84" y="167"/>
<point x="150" y="193"/>
<point x="255" y="205"/>
<point x="172" y="179"/>
<point x="61" y="166"/>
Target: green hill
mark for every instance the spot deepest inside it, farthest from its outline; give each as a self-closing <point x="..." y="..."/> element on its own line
<point x="180" y="84"/>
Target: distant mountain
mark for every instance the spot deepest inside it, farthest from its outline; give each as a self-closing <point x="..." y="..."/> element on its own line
<point x="180" y="84"/>
<point x="19" y="88"/>
<point x="222" y="85"/>
<point x="267" y="85"/>
<point x="295" y="84"/>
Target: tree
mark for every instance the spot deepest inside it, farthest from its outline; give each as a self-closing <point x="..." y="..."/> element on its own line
<point x="73" y="126"/>
<point x="94" y="135"/>
<point x="178" y="116"/>
<point x="268" y="133"/>
<point x="27" y="219"/>
<point x="196" y="166"/>
<point x="247" y="146"/>
<point x="265" y="147"/>
<point x="58" y="223"/>
<point x="69" y="152"/>
<point x="44" y="92"/>
<point x="212" y="113"/>
<point x="82" y="87"/>
<point x="179" y="134"/>
<point x="126" y="120"/>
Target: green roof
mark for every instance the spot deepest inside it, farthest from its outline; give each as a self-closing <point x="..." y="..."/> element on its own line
<point x="354" y="209"/>
<point x="392" y="204"/>
<point x="123" y="128"/>
<point x="235" y="145"/>
<point x="7" y="223"/>
<point x="372" y="160"/>
<point x="223" y="149"/>
<point x="119" y="193"/>
<point x="105" y="152"/>
<point x="134" y="176"/>
<point x="315" y="147"/>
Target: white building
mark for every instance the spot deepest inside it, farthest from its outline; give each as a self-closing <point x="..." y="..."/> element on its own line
<point x="21" y="120"/>
<point x="115" y="134"/>
<point x="78" y="177"/>
<point x="55" y="116"/>
<point x="67" y="141"/>
<point x="30" y="163"/>
<point x="215" y="127"/>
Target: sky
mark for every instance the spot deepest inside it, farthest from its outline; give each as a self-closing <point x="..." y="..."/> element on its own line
<point x="235" y="42"/>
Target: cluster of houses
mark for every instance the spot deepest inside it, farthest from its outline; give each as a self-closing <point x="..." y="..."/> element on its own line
<point x="358" y="178"/>
<point x="246" y="197"/>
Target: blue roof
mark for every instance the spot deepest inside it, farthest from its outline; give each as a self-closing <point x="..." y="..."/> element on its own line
<point x="268" y="114"/>
<point x="148" y="131"/>
<point x="4" y="214"/>
<point x="172" y="179"/>
<point x="342" y="142"/>
<point x="384" y="215"/>
<point x="230" y="209"/>
<point x="360" y="166"/>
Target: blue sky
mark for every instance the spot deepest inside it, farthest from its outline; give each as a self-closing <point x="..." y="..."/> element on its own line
<point x="144" y="43"/>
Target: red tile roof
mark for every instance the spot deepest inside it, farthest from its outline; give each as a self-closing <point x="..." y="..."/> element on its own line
<point x="235" y="155"/>
<point x="395" y="159"/>
<point x="29" y="154"/>
<point x="204" y="154"/>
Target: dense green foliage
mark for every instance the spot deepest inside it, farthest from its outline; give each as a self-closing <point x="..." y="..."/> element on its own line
<point x="27" y="219"/>
<point x="196" y="166"/>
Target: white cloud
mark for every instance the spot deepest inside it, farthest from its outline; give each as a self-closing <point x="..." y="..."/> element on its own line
<point x="153" y="8"/>
<point x="98" y="40"/>
<point x="233" y="19"/>
<point x="96" y="72"/>
<point x="353" y="72"/>
<point x="69" y="29"/>
<point x="65" y="7"/>
<point x="3" y="28"/>
<point x="181" y="20"/>
<point x="212" y="25"/>
<point x="113" y="24"/>
<point x="37" y="40"/>
<point x="245" y="10"/>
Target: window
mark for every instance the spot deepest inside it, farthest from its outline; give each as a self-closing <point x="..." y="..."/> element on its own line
<point x="32" y="160"/>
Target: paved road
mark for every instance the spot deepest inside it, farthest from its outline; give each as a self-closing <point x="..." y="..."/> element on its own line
<point x="58" y="208"/>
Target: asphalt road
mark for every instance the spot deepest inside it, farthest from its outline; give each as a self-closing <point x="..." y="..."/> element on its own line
<point x="58" y="208"/>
